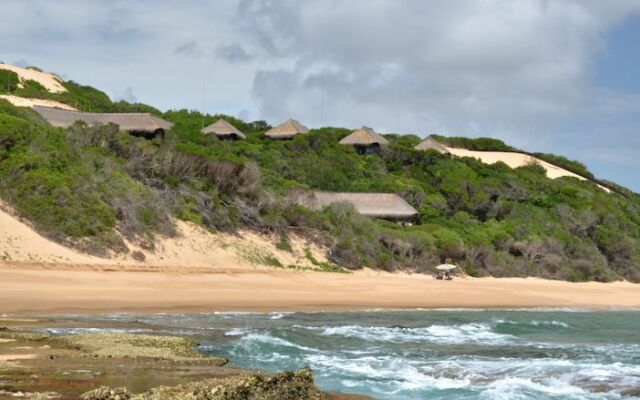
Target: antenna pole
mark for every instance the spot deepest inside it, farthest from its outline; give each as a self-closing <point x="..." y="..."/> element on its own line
<point x="322" y="100"/>
<point x="397" y="109"/>
<point x="203" y="95"/>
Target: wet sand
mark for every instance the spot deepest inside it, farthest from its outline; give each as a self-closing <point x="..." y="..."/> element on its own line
<point x="39" y="288"/>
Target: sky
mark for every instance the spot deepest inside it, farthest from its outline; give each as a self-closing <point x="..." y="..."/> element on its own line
<point x="559" y="76"/>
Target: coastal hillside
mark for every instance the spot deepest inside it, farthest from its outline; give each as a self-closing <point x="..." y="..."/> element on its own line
<point x="108" y="193"/>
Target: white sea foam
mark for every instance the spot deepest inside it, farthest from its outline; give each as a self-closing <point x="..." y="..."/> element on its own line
<point x="531" y="378"/>
<point x="235" y="314"/>
<point x="259" y="338"/>
<point x="236" y="332"/>
<point x="441" y="334"/>
<point x="550" y="323"/>
<point x="398" y="373"/>
<point x="523" y="388"/>
<point x="494" y="378"/>
<point x="575" y="309"/>
<point x="559" y="324"/>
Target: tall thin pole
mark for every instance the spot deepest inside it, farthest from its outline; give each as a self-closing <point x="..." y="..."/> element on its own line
<point x="322" y="100"/>
<point x="397" y="109"/>
<point x="203" y="96"/>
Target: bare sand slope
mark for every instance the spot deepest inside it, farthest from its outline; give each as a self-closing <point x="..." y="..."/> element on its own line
<point x="19" y="242"/>
<point x="198" y="248"/>
<point x="24" y="102"/>
<point x="50" y="81"/>
<point x="515" y="160"/>
<point x="193" y="247"/>
<point x="32" y="288"/>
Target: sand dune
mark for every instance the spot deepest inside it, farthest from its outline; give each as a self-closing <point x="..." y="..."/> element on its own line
<point x="19" y="242"/>
<point x="515" y="160"/>
<point x="25" y="102"/>
<point x="50" y="81"/>
<point x="193" y="247"/>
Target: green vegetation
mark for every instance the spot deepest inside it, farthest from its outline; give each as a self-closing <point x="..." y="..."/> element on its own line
<point x="259" y="257"/>
<point x="489" y="144"/>
<point x="479" y="144"/>
<point x="323" y="266"/>
<point x="570" y="165"/>
<point x="8" y="81"/>
<point x="84" y="98"/>
<point x="82" y="184"/>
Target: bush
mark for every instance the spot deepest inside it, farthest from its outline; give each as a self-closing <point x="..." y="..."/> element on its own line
<point x="8" y="81"/>
<point x="570" y="165"/>
<point x="138" y="256"/>
<point x="479" y="144"/>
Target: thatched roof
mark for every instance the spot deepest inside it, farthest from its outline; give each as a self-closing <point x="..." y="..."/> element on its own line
<point x="286" y="130"/>
<point x="431" y="143"/>
<point x="126" y="121"/>
<point x="223" y="128"/>
<point x="379" y="205"/>
<point x="364" y="136"/>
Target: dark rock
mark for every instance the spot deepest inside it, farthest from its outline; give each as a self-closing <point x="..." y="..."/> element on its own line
<point x="106" y="393"/>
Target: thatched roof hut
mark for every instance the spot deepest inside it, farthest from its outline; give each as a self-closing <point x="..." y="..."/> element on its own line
<point x="286" y="130"/>
<point x="364" y="136"/>
<point x="147" y="124"/>
<point x="224" y="130"/>
<point x="378" y="205"/>
<point x="365" y="140"/>
<point x="431" y="143"/>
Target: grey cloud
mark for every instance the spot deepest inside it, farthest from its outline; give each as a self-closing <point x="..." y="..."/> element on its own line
<point x="494" y="68"/>
<point x="233" y="53"/>
<point x="127" y="95"/>
<point x="21" y="63"/>
<point x="190" y="48"/>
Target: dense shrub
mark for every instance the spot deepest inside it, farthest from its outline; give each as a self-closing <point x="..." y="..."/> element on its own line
<point x="480" y="144"/>
<point x="570" y="165"/>
<point x="8" y="81"/>
<point x="81" y="184"/>
<point x="84" y="98"/>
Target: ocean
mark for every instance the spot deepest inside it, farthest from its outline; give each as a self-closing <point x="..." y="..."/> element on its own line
<point x="430" y="354"/>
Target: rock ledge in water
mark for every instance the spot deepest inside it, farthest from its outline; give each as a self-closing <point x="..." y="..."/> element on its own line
<point x="284" y="386"/>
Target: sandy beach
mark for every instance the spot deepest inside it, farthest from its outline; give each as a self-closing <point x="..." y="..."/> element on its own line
<point x="41" y="288"/>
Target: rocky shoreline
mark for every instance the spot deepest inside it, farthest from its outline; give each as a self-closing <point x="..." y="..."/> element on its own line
<point x="35" y="364"/>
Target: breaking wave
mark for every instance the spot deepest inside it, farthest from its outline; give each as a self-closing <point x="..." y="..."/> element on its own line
<point x="444" y="334"/>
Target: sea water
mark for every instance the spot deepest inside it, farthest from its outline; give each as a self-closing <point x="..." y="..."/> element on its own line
<point x="432" y="354"/>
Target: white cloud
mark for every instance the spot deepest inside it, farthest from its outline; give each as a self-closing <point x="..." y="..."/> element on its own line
<point x="233" y="53"/>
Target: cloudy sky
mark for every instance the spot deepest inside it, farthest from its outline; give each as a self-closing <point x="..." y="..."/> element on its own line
<point x="557" y="76"/>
